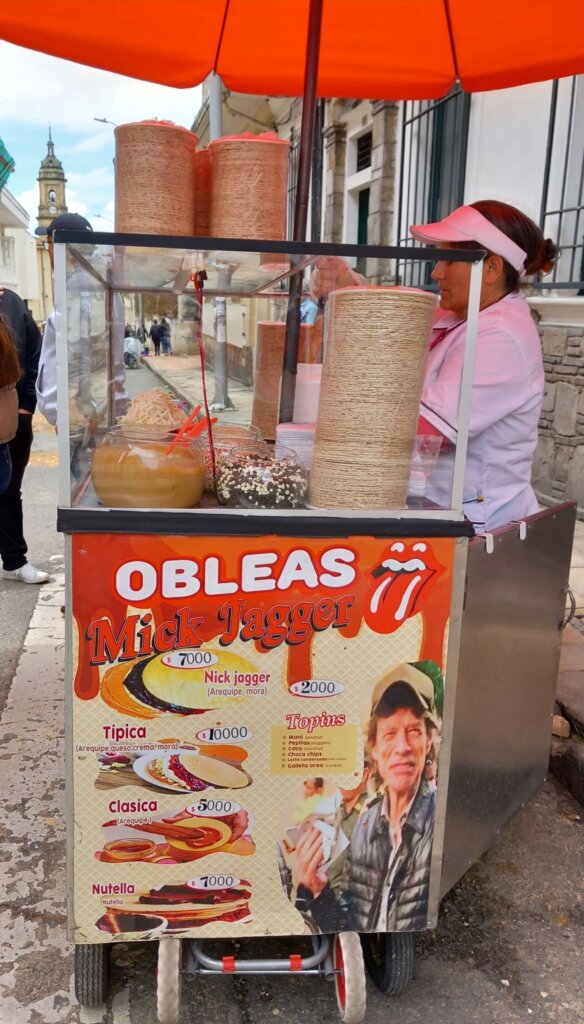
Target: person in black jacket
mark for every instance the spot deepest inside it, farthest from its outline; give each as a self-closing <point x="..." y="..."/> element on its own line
<point x="156" y="335"/>
<point x="13" y="548"/>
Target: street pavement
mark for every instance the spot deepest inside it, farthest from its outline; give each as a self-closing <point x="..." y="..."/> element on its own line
<point x="509" y="946"/>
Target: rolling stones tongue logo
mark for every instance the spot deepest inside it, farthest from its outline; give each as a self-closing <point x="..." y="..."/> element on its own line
<point x="401" y="585"/>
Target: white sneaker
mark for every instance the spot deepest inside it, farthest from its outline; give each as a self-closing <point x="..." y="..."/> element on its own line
<point x="27" y="573"/>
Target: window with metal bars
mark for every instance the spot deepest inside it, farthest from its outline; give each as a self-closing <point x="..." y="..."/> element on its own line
<point x="562" y="210"/>
<point x="292" y="180"/>
<point x="432" y="171"/>
<point x="364" y="148"/>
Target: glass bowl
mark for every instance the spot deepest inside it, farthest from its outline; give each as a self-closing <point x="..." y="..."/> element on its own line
<point x="225" y="437"/>
<point x="131" y="469"/>
<point x="256" y="476"/>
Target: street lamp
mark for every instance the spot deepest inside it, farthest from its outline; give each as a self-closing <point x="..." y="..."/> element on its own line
<point x="104" y="120"/>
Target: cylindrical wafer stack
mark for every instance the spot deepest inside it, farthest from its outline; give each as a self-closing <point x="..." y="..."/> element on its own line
<point x="155" y="178"/>
<point x="249" y="187"/>
<point x="202" y="226"/>
<point x="377" y="339"/>
<point x="269" y="357"/>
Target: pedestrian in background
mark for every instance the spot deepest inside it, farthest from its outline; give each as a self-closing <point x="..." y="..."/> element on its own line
<point x="156" y="335"/>
<point x="13" y="547"/>
<point x="165" y="336"/>
<point x="9" y="377"/>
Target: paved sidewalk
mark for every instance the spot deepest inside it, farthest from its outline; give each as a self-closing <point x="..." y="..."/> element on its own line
<point x="183" y="375"/>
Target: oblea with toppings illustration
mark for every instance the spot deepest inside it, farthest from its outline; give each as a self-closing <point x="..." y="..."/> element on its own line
<point x="202" y="828"/>
<point x="175" y="682"/>
<point x="182" y="907"/>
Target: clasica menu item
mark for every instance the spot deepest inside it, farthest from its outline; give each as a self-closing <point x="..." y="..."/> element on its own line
<point x="237" y="702"/>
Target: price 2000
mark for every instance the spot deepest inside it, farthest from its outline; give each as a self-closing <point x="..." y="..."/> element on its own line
<point x="316" y="688"/>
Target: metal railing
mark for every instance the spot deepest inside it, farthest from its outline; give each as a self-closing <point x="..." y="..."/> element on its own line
<point x="562" y="209"/>
<point x="433" y="166"/>
<point x="292" y="180"/>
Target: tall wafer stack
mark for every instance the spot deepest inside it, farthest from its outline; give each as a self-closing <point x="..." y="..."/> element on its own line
<point x="202" y="226"/>
<point x="269" y="357"/>
<point x="155" y="178"/>
<point x="377" y="340"/>
<point x="269" y="360"/>
<point x="249" y="187"/>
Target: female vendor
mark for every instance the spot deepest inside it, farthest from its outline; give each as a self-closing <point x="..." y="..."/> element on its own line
<point x="508" y="380"/>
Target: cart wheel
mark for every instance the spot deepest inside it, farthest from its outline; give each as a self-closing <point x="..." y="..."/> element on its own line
<point x="350" y="981"/>
<point x="92" y="974"/>
<point x="169" y="980"/>
<point x="390" y="961"/>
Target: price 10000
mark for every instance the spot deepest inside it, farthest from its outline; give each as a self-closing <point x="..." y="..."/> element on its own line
<point x="222" y="734"/>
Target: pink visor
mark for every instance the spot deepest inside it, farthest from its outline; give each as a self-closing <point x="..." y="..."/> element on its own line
<point x="466" y="224"/>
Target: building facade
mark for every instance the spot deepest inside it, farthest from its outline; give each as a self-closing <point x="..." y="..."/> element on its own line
<point x="18" y="268"/>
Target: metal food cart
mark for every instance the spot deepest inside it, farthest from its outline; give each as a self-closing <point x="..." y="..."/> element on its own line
<point x="217" y="657"/>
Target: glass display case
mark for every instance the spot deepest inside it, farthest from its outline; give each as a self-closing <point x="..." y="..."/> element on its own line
<point x="238" y="590"/>
<point x="352" y="446"/>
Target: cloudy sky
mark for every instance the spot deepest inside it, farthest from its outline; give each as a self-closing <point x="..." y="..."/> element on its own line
<point x="38" y="90"/>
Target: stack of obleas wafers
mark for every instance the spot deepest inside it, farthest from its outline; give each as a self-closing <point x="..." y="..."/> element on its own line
<point x="377" y="340"/>
<point x="269" y="359"/>
<point x="249" y="187"/>
<point x="155" y="178"/>
<point x="202" y="226"/>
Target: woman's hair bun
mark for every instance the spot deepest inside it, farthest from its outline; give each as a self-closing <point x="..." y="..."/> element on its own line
<point x="545" y="260"/>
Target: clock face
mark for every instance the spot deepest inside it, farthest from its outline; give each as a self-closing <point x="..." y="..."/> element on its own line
<point x="52" y="208"/>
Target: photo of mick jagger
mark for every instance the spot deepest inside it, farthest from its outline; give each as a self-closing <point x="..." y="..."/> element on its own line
<point x="383" y="882"/>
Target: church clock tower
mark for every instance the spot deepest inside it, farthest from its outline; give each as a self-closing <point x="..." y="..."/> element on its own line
<point x="52" y="203"/>
<point x="52" y="182"/>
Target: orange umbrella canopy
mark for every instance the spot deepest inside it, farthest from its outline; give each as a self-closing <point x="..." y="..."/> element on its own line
<point x="370" y="49"/>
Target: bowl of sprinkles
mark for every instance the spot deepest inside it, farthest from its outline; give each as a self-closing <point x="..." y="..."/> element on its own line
<point x="256" y="476"/>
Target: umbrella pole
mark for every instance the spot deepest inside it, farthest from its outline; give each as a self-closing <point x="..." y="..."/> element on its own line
<point x="301" y="207"/>
<point x="221" y="399"/>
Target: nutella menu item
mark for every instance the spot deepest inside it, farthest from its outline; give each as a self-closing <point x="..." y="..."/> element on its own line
<point x="228" y="693"/>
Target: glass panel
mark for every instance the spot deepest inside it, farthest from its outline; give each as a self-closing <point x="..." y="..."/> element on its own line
<point x="138" y="428"/>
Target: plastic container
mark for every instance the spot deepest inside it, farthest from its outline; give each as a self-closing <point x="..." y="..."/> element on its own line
<point x="424" y="458"/>
<point x="258" y="476"/>
<point x="300" y="438"/>
<point x="131" y="469"/>
<point x="307" y="394"/>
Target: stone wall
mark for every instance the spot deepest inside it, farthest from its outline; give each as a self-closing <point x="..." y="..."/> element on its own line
<point x="382" y="196"/>
<point x="558" y="471"/>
